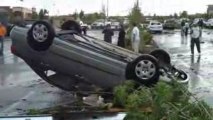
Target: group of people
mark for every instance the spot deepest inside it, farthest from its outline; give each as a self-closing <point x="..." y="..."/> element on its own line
<point x="135" y="36"/>
<point x="195" y="32"/>
<point x="2" y="35"/>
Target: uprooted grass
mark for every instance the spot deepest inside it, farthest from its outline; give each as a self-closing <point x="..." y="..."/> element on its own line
<point x="163" y="102"/>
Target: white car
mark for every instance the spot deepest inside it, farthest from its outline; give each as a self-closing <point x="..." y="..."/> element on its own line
<point x="209" y="23"/>
<point x="115" y="25"/>
<point x="97" y="25"/>
<point x="155" y="26"/>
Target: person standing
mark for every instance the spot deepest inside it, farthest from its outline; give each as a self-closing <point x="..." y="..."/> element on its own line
<point x="186" y="29"/>
<point x="108" y="33"/>
<point x="121" y="37"/>
<point x="195" y="38"/>
<point x="84" y="30"/>
<point x="182" y="27"/>
<point x="200" y="23"/>
<point x="2" y="34"/>
<point x="135" y="38"/>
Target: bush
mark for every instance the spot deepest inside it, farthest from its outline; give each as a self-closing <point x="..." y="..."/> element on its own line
<point x="162" y="102"/>
<point x="121" y="93"/>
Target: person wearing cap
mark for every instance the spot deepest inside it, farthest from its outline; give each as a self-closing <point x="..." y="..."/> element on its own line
<point x="2" y="35"/>
<point x="195" y="38"/>
<point x="108" y="33"/>
<point x="135" y="38"/>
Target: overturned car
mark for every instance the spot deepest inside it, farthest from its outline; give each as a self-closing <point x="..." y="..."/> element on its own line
<point x="71" y="61"/>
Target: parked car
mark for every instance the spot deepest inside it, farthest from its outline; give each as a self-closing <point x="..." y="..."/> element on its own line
<point x="73" y="59"/>
<point x="97" y="25"/>
<point x="209" y="23"/>
<point x="155" y="26"/>
<point x="115" y="25"/>
<point x="169" y="24"/>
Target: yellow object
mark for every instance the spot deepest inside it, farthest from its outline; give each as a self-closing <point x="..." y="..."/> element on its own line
<point x="2" y="31"/>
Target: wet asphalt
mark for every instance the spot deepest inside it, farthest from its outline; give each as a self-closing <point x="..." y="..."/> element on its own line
<point x="198" y="67"/>
<point x="21" y="89"/>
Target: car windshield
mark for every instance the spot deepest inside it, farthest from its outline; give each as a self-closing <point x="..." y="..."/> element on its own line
<point x="106" y="59"/>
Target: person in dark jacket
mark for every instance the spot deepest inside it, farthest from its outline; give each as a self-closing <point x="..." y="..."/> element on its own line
<point x="201" y="24"/>
<point x="108" y="33"/>
<point x="84" y="30"/>
<point x="121" y="37"/>
<point x="195" y="38"/>
<point x="182" y="27"/>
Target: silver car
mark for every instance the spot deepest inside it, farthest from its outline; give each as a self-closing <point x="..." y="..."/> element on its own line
<point x="68" y="59"/>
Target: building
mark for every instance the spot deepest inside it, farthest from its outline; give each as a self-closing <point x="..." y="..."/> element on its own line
<point x="210" y="9"/>
<point x="5" y="14"/>
<point x="15" y="14"/>
<point x="22" y="12"/>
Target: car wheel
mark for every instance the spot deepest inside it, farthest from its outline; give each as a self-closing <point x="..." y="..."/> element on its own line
<point x="145" y="70"/>
<point x="182" y="75"/>
<point x="40" y="36"/>
<point x="71" y="25"/>
<point x="162" y="57"/>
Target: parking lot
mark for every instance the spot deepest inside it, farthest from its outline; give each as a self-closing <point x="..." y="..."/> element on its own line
<point x="198" y="67"/>
<point x="21" y="89"/>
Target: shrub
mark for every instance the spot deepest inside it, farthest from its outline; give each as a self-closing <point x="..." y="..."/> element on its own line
<point x="121" y="93"/>
<point x="163" y="102"/>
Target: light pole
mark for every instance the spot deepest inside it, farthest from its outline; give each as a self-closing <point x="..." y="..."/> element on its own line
<point x="107" y="9"/>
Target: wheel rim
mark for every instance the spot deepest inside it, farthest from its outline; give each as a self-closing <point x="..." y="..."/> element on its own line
<point x="145" y="69"/>
<point x="40" y="32"/>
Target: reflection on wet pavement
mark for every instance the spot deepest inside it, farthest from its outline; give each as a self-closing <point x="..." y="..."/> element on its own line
<point x="195" y="68"/>
<point x="198" y="67"/>
<point x="21" y="89"/>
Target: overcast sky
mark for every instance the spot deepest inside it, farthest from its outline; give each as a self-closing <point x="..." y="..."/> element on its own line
<point x="116" y="7"/>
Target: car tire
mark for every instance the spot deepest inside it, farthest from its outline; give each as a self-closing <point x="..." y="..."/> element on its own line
<point x="40" y="36"/>
<point x="144" y="70"/>
<point x="182" y="75"/>
<point x="162" y="56"/>
<point x="71" y="25"/>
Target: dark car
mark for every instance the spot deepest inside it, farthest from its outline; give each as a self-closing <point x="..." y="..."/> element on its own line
<point x="169" y="24"/>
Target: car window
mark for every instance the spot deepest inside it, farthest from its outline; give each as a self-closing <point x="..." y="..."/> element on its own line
<point x="155" y="24"/>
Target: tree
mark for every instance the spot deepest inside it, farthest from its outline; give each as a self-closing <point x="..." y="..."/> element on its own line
<point x="43" y="13"/>
<point x="184" y="14"/>
<point x="135" y="15"/>
<point x="35" y="15"/>
<point x="176" y="15"/>
<point x="154" y="16"/>
<point x="81" y="14"/>
<point x="75" y="15"/>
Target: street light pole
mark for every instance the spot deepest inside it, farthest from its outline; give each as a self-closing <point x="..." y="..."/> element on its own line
<point x="107" y="9"/>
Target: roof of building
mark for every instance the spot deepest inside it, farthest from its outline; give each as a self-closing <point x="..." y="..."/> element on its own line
<point x="3" y="10"/>
<point x="210" y="7"/>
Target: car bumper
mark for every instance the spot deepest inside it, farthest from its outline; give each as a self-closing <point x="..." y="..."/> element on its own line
<point x="156" y="29"/>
